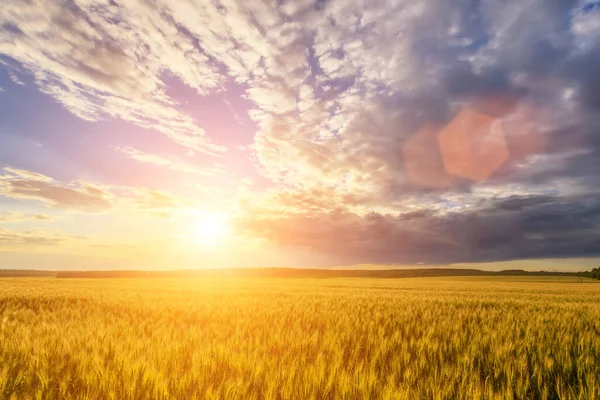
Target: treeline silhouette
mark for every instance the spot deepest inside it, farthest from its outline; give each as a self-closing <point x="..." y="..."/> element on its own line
<point x="23" y="273"/>
<point x="593" y="274"/>
<point x="306" y="273"/>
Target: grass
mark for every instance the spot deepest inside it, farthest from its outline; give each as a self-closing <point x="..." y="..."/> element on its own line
<point x="263" y="338"/>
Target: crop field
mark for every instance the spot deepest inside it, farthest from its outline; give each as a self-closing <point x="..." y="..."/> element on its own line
<point x="267" y="338"/>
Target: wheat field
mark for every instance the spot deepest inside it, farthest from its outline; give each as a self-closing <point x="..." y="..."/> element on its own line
<point x="262" y="338"/>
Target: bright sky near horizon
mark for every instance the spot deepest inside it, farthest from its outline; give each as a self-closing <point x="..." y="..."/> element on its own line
<point x="212" y="133"/>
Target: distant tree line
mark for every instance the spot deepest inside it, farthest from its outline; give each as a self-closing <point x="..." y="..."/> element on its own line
<point x="26" y="273"/>
<point x="308" y="273"/>
<point x="593" y="274"/>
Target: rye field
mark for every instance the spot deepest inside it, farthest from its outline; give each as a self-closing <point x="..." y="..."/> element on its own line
<point x="267" y="338"/>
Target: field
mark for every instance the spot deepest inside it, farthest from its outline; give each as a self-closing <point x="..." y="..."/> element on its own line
<point x="266" y="338"/>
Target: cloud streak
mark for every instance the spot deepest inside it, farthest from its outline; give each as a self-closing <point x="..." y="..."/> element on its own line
<point x="82" y="197"/>
<point x="172" y="164"/>
<point x="30" y="240"/>
<point x="15" y="217"/>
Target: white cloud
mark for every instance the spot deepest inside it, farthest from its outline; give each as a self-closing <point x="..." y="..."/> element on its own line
<point x="586" y="23"/>
<point x="88" y="197"/>
<point x="75" y="196"/>
<point x="20" y="173"/>
<point x="97" y="68"/>
<point x="172" y="164"/>
<point x="337" y="88"/>
<point x="15" y="79"/>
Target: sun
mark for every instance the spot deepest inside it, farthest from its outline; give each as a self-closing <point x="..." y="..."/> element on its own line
<point x="211" y="228"/>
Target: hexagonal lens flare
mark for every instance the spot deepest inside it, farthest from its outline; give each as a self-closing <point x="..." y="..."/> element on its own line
<point x="473" y="145"/>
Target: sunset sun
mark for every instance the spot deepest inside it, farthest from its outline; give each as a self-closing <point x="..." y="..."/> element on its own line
<point x="211" y="228"/>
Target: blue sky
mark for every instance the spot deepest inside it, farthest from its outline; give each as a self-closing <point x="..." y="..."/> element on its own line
<point x="171" y="134"/>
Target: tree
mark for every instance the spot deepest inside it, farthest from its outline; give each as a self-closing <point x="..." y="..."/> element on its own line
<point x="592" y="274"/>
<point x="595" y="273"/>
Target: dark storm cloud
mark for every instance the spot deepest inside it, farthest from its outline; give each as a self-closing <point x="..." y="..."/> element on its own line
<point x="511" y="228"/>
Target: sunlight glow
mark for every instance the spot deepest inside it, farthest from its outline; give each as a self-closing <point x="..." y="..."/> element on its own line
<point x="211" y="228"/>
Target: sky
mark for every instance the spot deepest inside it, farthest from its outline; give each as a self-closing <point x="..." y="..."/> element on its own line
<point x="181" y="134"/>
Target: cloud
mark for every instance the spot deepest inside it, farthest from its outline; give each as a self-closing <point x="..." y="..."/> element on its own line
<point x="509" y="228"/>
<point x="15" y="79"/>
<point x="172" y="164"/>
<point x="157" y="199"/>
<point x="82" y="197"/>
<point x="376" y="75"/>
<point x="86" y="197"/>
<point x="97" y="68"/>
<point x="30" y="240"/>
<point x="141" y="202"/>
<point x="340" y="89"/>
<point x="15" y="217"/>
<point x="34" y="176"/>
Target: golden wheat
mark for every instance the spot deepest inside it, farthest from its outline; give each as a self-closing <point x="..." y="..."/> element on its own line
<point x="259" y="338"/>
